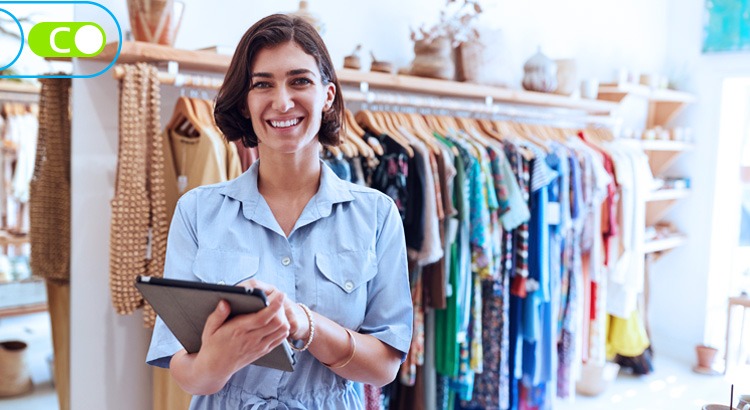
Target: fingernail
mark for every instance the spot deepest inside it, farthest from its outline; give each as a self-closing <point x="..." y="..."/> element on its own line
<point x="223" y="306"/>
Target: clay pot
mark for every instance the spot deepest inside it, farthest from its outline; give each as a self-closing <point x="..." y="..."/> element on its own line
<point x="15" y="378"/>
<point x="434" y="59"/>
<point x="706" y="356"/>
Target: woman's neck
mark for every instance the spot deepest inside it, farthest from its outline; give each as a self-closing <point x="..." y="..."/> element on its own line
<point x="288" y="175"/>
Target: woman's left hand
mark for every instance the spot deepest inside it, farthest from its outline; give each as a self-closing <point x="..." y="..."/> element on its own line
<point x="299" y="325"/>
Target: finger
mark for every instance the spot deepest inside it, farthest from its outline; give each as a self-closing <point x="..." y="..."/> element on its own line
<point x="262" y="318"/>
<point x="216" y="318"/>
<point x="272" y="340"/>
<point x="267" y="288"/>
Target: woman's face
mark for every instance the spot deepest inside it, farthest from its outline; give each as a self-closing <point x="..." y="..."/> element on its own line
<point x="287" y="98"/>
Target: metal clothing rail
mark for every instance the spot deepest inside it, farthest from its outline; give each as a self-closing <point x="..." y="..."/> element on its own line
<point x="425" y="104"/>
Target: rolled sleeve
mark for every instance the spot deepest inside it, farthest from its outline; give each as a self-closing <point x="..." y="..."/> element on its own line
<point x="182" y="246"/>
<point x="389" y="305"/>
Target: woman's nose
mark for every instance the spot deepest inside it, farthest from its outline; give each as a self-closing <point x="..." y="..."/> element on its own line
<point x="282" y="101"/>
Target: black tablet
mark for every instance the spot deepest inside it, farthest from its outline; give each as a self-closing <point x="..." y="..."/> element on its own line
<point x="184" y="307"/>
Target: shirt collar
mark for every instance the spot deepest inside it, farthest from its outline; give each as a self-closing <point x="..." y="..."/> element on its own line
<point x="332" y="190"/>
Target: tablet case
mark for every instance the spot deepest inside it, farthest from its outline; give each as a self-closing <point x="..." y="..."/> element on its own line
<point x="184" y="307"/>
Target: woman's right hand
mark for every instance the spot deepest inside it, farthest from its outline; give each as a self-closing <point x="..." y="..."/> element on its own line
<point x="228" y="346"/>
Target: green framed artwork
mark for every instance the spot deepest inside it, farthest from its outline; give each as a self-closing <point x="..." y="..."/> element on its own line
<point x="727" y="26"/>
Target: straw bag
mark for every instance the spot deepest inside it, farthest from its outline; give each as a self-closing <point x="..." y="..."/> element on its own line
<point x="15" y="378"/>
<point x="139" y="205"/>
<point x="49" y="203"/>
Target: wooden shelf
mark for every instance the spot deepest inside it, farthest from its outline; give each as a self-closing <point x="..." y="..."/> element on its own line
<point x="19" y="87"/>
<point x="23" y="297"/>
<point x="7" y="239"/>
<point x="614" y="92"/>
<point x="667" y="194"/>
<point x="136" y="51"/>
<point x="660" y="202"/>
<point x="468" y="90"/>
<point x="664" y="244"/>
<point x="218" y="63"/>
<point x="663" y="106"/>
<point x="666" y="145"/>
<point x="23" y="310"/>
<point x="660" y="161"/>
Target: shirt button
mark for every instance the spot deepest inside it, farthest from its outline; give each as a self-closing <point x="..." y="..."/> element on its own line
<point x="286" y="261"/>
<point x="221" y="282"/>
<point x="349" y="285"/>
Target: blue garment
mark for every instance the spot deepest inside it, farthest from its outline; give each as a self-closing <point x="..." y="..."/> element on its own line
<point x="340" y="166"/>
<point x="345" y="259"/>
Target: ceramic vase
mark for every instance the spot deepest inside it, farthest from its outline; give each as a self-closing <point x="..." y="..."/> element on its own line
<point x="540" y="73"/>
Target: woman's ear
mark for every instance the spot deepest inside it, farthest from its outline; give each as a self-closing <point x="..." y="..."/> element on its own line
<point x="330" y="96"/>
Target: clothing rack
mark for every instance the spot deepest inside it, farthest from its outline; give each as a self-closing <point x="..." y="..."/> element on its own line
<point x="424" y="104"/>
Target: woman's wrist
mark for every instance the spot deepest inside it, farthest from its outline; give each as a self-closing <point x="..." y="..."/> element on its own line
<point x="307" y="336"/>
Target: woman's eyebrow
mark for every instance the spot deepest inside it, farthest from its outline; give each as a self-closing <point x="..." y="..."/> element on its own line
<point x="298" y="72"/>
<point x="289" y="73"/>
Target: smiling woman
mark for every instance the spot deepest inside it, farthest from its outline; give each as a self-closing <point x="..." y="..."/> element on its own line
<point x="330" y="255"/>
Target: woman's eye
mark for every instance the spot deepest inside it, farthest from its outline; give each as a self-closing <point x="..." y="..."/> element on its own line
<point x="301" y="81"/>
<point x="260" y="84"/>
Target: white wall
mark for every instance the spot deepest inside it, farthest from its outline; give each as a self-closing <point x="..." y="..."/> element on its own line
<point x="108" y="350"/>
<point x="690" y="290"/>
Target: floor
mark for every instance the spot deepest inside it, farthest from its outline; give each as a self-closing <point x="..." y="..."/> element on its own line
<point x="671" y="386"/>
<point x="34" y="329"/>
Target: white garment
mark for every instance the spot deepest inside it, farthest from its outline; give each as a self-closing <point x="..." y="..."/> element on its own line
<point x="27" y="131"/>
<point x="626" y="280"/>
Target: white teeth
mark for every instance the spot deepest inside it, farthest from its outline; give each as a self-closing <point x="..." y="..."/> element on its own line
<point x="284" y="124"/>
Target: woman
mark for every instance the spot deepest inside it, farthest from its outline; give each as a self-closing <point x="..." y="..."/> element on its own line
<point x="329" y="254"/>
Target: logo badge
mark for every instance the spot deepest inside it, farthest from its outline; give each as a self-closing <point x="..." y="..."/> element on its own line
<point x="67" y="39"/>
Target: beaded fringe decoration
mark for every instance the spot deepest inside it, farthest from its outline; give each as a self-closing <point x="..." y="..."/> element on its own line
<point x="139" y="205"/>
<point x="49" y="203"/>
<point x="159" y="223"/>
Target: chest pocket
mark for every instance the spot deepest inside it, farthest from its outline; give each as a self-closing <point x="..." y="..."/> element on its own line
<point x="224" y="267"/>
<point x="341" y="282"/>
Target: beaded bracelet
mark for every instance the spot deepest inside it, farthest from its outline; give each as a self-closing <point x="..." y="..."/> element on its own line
<point x="353" y="346"/>
<point x="311" y="322"/>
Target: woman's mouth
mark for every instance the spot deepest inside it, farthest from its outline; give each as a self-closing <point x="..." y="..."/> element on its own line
<point x="285" y="123"/>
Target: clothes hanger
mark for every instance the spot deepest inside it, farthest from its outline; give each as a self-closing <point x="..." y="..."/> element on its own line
<point x="202" y="112"/>
<point x="365" y="117"/>
<point x="373" y="143"/>
<point x="356" y="134"/>
<point x="361" y="147"/>
<point x="489" y="129"/>
<point x="182" y="115"/>
<point x="393" y="132"/>
<point x="435" y="125"/>
<point x="535" y="134"/>
<point x="368" y="119"/>
<point x="471" y="130"/>
<point x="422" y="135"/>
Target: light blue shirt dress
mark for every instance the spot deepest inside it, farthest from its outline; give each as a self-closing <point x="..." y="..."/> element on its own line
<point x="345" y="259"/>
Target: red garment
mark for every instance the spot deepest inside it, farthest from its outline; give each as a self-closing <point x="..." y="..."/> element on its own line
<point x="247" y="155"/>
<point x="609" y="217"/>
<point x="372" y="397"/>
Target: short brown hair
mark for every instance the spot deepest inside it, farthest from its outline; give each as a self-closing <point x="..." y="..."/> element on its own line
<point x="269" y="32"/>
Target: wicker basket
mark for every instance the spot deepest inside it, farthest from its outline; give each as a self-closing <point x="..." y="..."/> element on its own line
<point x="434" y="59"/>
<point x="15" y="378"/>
